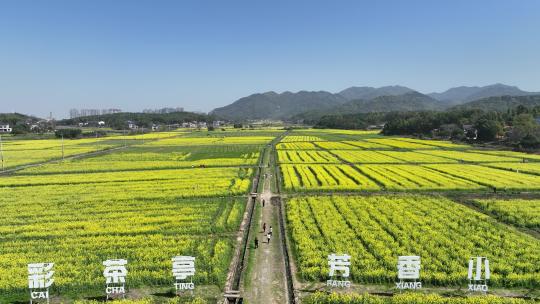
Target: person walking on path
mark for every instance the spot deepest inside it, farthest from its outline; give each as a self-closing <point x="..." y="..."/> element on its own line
<point x="263" y="203"/>
<point x="270" y="230"/>
<point x="256" y="243"/>
<point x="268" y="236"/>
<point x="264" y="227"/>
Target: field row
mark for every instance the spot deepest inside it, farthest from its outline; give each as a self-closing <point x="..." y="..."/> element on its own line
<point x="375" y="230"/>
<point x="393" y="157"/>
<point x="404" y="177"/>
<point x="406" y="298"/>
<point x="383" y="143"/>
<point x="518" y="212"/>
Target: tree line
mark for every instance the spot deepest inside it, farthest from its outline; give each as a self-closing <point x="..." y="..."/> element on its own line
<point x="516" y="127"/>
<point x="146" y="120"/>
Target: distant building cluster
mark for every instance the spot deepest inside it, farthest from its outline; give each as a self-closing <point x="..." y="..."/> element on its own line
<point x="75" y="113"/>
<point x="164" y="110"/>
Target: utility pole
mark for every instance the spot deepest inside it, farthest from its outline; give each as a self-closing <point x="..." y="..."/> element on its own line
<point x="62" y="147"/>
<point x="1" y="153"/>
<point x="125" y="144"/>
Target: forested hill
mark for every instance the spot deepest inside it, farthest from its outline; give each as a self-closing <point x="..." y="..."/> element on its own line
<point x="411" y="101"/>
<point x="276" y="106"/>
<point x="310" y="105"/>
<point x="501" y="103"/>
<point x="313" y="105"/>
<point x="119" y="120"/>
<point x="16" y="118"/>
<point x="367" y="93"/>
<point x="461" y="95"/>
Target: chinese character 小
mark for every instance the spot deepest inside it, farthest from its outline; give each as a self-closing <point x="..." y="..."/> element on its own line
<point x="477" y="275"/>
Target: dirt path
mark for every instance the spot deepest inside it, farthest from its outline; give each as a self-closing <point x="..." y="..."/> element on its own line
<point x="267" y="279"/>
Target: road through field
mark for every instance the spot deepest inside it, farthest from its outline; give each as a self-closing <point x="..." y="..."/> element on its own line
<point x="267" y="281"/>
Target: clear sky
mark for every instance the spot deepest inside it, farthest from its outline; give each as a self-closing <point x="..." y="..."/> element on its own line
<point x="57" y="55"/>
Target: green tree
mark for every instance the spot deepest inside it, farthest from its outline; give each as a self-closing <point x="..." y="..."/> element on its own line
<point x="488" y="129"/>
<point x="530" y="141"/>
<point x="68" y="133"/>
<point x="523" y="125"/>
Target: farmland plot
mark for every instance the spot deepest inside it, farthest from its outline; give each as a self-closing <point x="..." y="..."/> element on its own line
<point x="495" y="178"/>
<point x="24" y="152"/>
<point x="365" y="157"/>
<point x="436" y="143"/>
<point x="414" y="177"/>
<point x="470" y="157"/>
<point x="325" y="177"/>
<point x="296" y="146"/>
<point x="519" y="212"/>
<point x="416" y="157"/>
<point x="416" y="298"/>
<point x="205" y="141"/>
<point x="77" y="236"/>
<point x="157" y="158"/>
<point x="399" y="144"/>
<point x="374" y="230"/>
<point x="518" y="155"/>
<point x="306" y="157"/>
<point x="335" y="145"/>
<point x="142" y="203"/>
<point x="300" y="138"/>
<point x="532" y="168"/>
<point x="368" y="145"/>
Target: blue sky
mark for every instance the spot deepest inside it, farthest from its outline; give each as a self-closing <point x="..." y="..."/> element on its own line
<point x="57" y="55"/>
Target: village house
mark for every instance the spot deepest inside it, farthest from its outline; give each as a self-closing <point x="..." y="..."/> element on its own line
<point x="132" y="125"/>
<point x="4" y="128"/>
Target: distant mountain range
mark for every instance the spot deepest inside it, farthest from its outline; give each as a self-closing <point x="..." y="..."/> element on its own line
<point x="310" y="105"/>
<point x="501" y="103"/>
<point x="368" y="93"/>
<point x="271" y="105"/>
<point x="461" y="95"/>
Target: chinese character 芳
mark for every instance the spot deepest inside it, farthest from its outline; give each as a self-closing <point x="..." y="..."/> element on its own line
<point x="408" y="267"/>
<point x="40" y="275"/>
<point x="183" y="266"/>
<point x="115" y="271"/>
<point x="340" y="263"/>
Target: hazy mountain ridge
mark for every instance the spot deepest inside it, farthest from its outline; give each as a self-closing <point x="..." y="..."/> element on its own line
<point x="410" y="101"/>
<point x="272" y="105"/>
<point x="312" y="105"/>
<point x="354" y="93"/>
<point x="501" y="103"/>
<point x="463" y="94"/>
